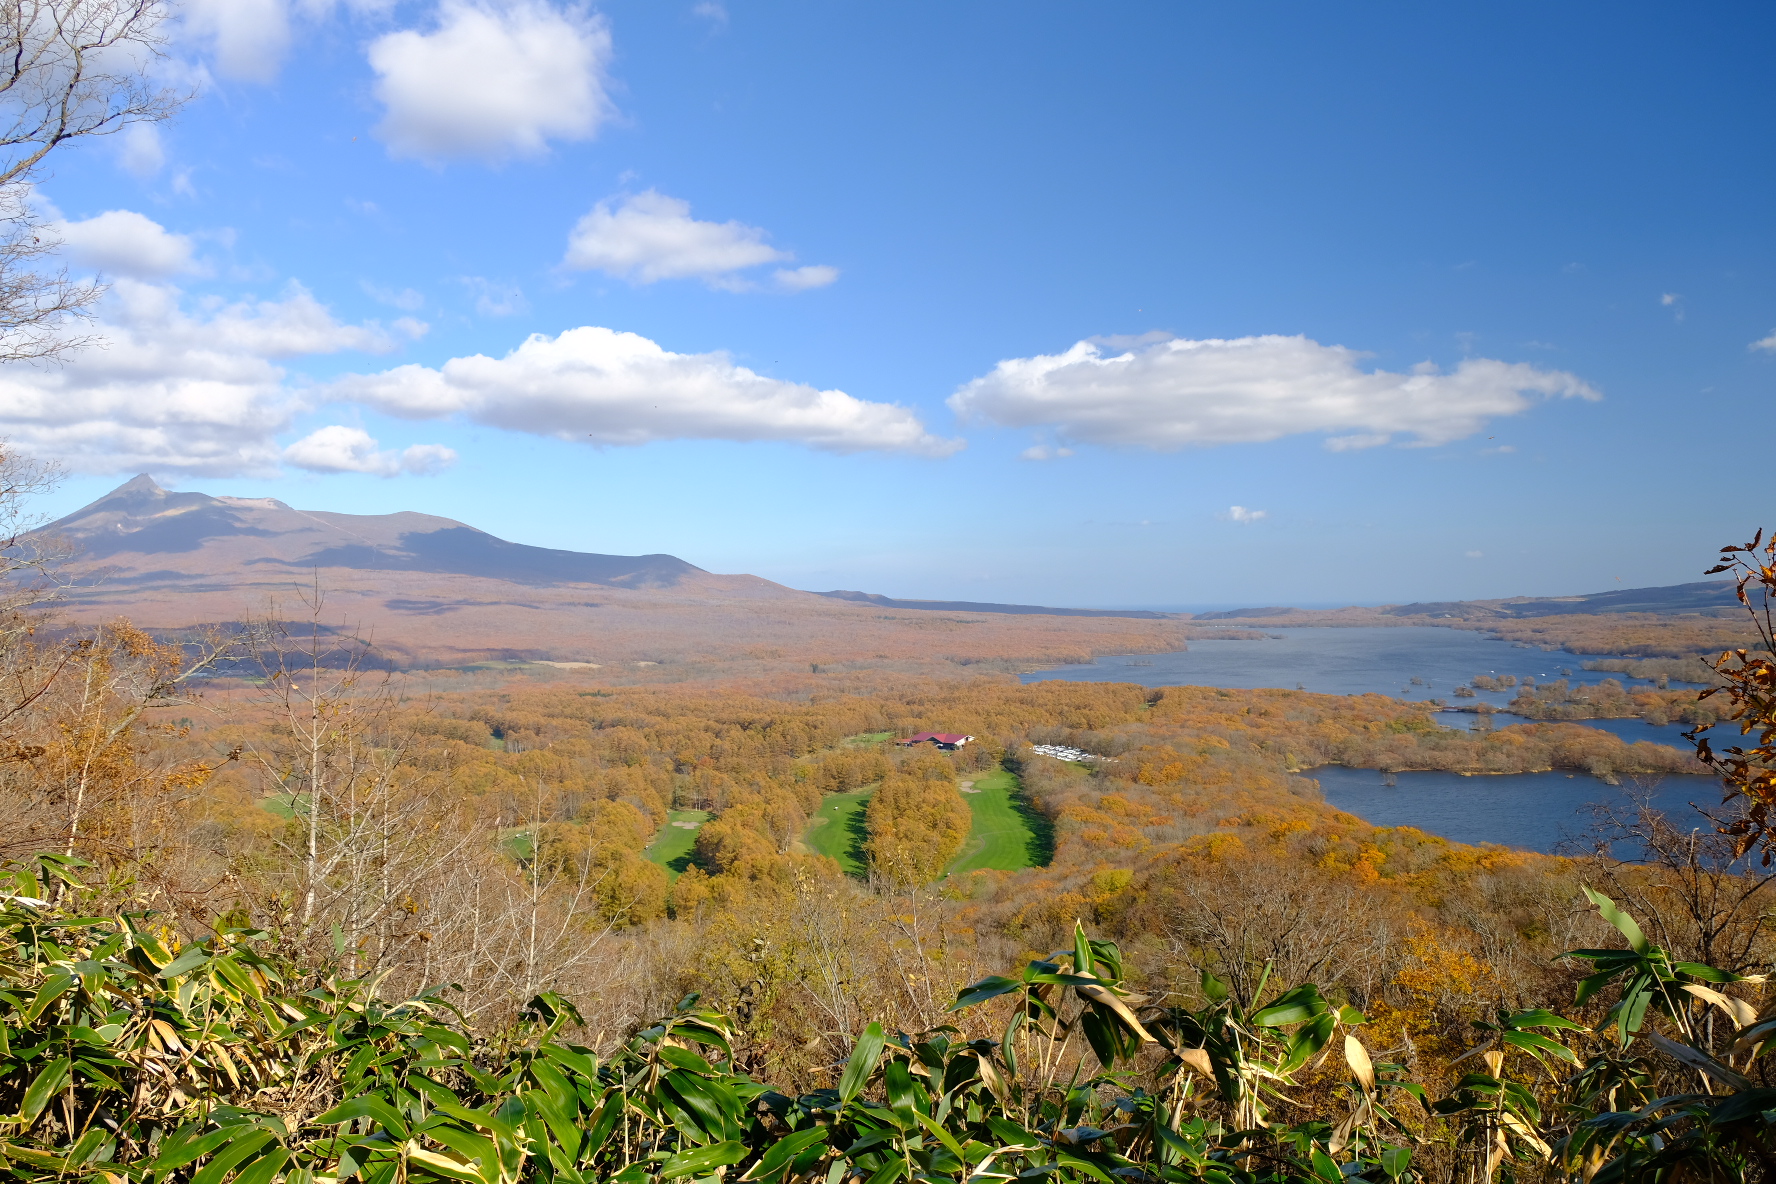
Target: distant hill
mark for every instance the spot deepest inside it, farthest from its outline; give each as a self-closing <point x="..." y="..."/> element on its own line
<point x="975" y="606"/>
<point x="1702" y="596"/>
<point x="434" y="592"/>
<point x="1706" y="597"/>
<point x="149" y="534"/>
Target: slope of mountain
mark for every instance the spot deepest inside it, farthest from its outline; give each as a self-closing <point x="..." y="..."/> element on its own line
<point x="147" y="534"/>
<point x="433" y="592"/>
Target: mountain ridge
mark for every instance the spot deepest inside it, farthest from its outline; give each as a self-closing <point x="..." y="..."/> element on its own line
<point x="140" y="518"/>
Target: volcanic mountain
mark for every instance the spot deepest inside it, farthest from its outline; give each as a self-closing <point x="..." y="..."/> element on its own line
<point x="152" y="535"/>
<point x="431" y="590"/>
<point x="435" y="592"/>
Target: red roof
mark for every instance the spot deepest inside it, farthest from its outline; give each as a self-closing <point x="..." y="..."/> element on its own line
<point x="939" y="737"/>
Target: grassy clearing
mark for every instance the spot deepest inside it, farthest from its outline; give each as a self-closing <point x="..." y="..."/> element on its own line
<point x="868" y="738"/>
<point x="837" y="829"/>
<point x="1008" y="833"/>
<point x="671" y="848"/>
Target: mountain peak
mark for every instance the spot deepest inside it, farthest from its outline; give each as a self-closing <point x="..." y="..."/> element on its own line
<point x="139" y="484"/>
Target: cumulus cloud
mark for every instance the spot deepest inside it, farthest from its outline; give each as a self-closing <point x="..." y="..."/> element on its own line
<point x="1174" y="393"/>
<point x="622" y="389"/>
<point x="800" y="279"/>
<point x="123" y="242"/>
<point x="649" y="237"/>
<point x="340" y="449"/>
<point x="1241" y="514"/>
<point x="247" y="38"/>
<point x="1765" y="343"/>
<point x="492" y="81"/>
<point x="139" y="150"/>
<point x="171" y="390"/>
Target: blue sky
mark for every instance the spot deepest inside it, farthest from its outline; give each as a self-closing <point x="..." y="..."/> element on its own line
<point x="1151" y="304"/>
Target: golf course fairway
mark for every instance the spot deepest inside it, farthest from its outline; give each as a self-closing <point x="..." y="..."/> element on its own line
<point x="671" y="848"/>
<point x="1007" y="834"/>
<point x="837" y="829"/>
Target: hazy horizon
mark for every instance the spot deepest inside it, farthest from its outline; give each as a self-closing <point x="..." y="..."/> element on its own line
<point x="1171" y="305"/>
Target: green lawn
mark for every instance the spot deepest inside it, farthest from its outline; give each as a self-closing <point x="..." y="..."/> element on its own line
<point x="671" y="848"/>
<point x="837" y="829"/>
<point x="1007" y="833"/>
<point x="868" y="738"/>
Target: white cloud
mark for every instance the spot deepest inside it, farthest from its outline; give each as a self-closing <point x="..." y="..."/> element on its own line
<point x="139" y="150"/>
<point x="124" y="242"/>
<point x="1765" y="343"/>
<point x="339" y="449"/>
<point x="496" y="299"/>
<point x="169" y="390"/>
<point x="492" y="82"/>
<point x="248" y="38"/>
<point x="713" y="11"/>
<point x="1674" y="302"/>
<point x="1474" y="554"/>
<point x="1044" y="452"/>
<point x="1243" y="515"/>
<point x="621" y="389"/>
<point x="651" y="237"/>
<point x="1175" y="393"/>
<point x="800" y="279"/>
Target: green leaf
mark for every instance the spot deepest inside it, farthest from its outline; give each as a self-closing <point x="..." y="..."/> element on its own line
<point x="1083" y="1165"/>
<point x="1707" y="974"/>
<point x="52" y="989"/>
<point x="49" y="1082"/>
<point x="471" y="1146"/>
<point x="367" y="1106"/>
<point x="897" y="1077"/>
<point x="1292" y="1007"/>
<point x="702" y="1159"/>
<point x="1537" y="1045"/>
<point x="1541" y="1017"/>
<point x="224" y="1161"/>
<point x="1394" y="1161"/>
<point x="1101" y="1033"/>
<point x="941" y="1135"/>
<point x="862" y="1063"/>
<point x="194" y="955"/>
<point x="783" y="1153"/>
<point x="711" y="1105"/>
<point x="1007" y="1048"/>
<point x="894" y="1169"/>
<point x="683" y="1058"/>
<point x="264" y="1169"/>
<point x="1174" y="1142"/>
<point x="1308" y="1040"/>
<point x="1625" y="925"/>
<point x="990" y="987"/>
<point x="179" y="1149"/>
<point x="1082" y="950"/>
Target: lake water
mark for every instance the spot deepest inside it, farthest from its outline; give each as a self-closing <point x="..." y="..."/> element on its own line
<point x="1533" y="810"/>
<point x="1357" y="661"/>
<point x="1631" y="730"/>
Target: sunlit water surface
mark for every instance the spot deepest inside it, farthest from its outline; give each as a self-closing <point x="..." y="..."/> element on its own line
<point x="1538" y="811"/>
